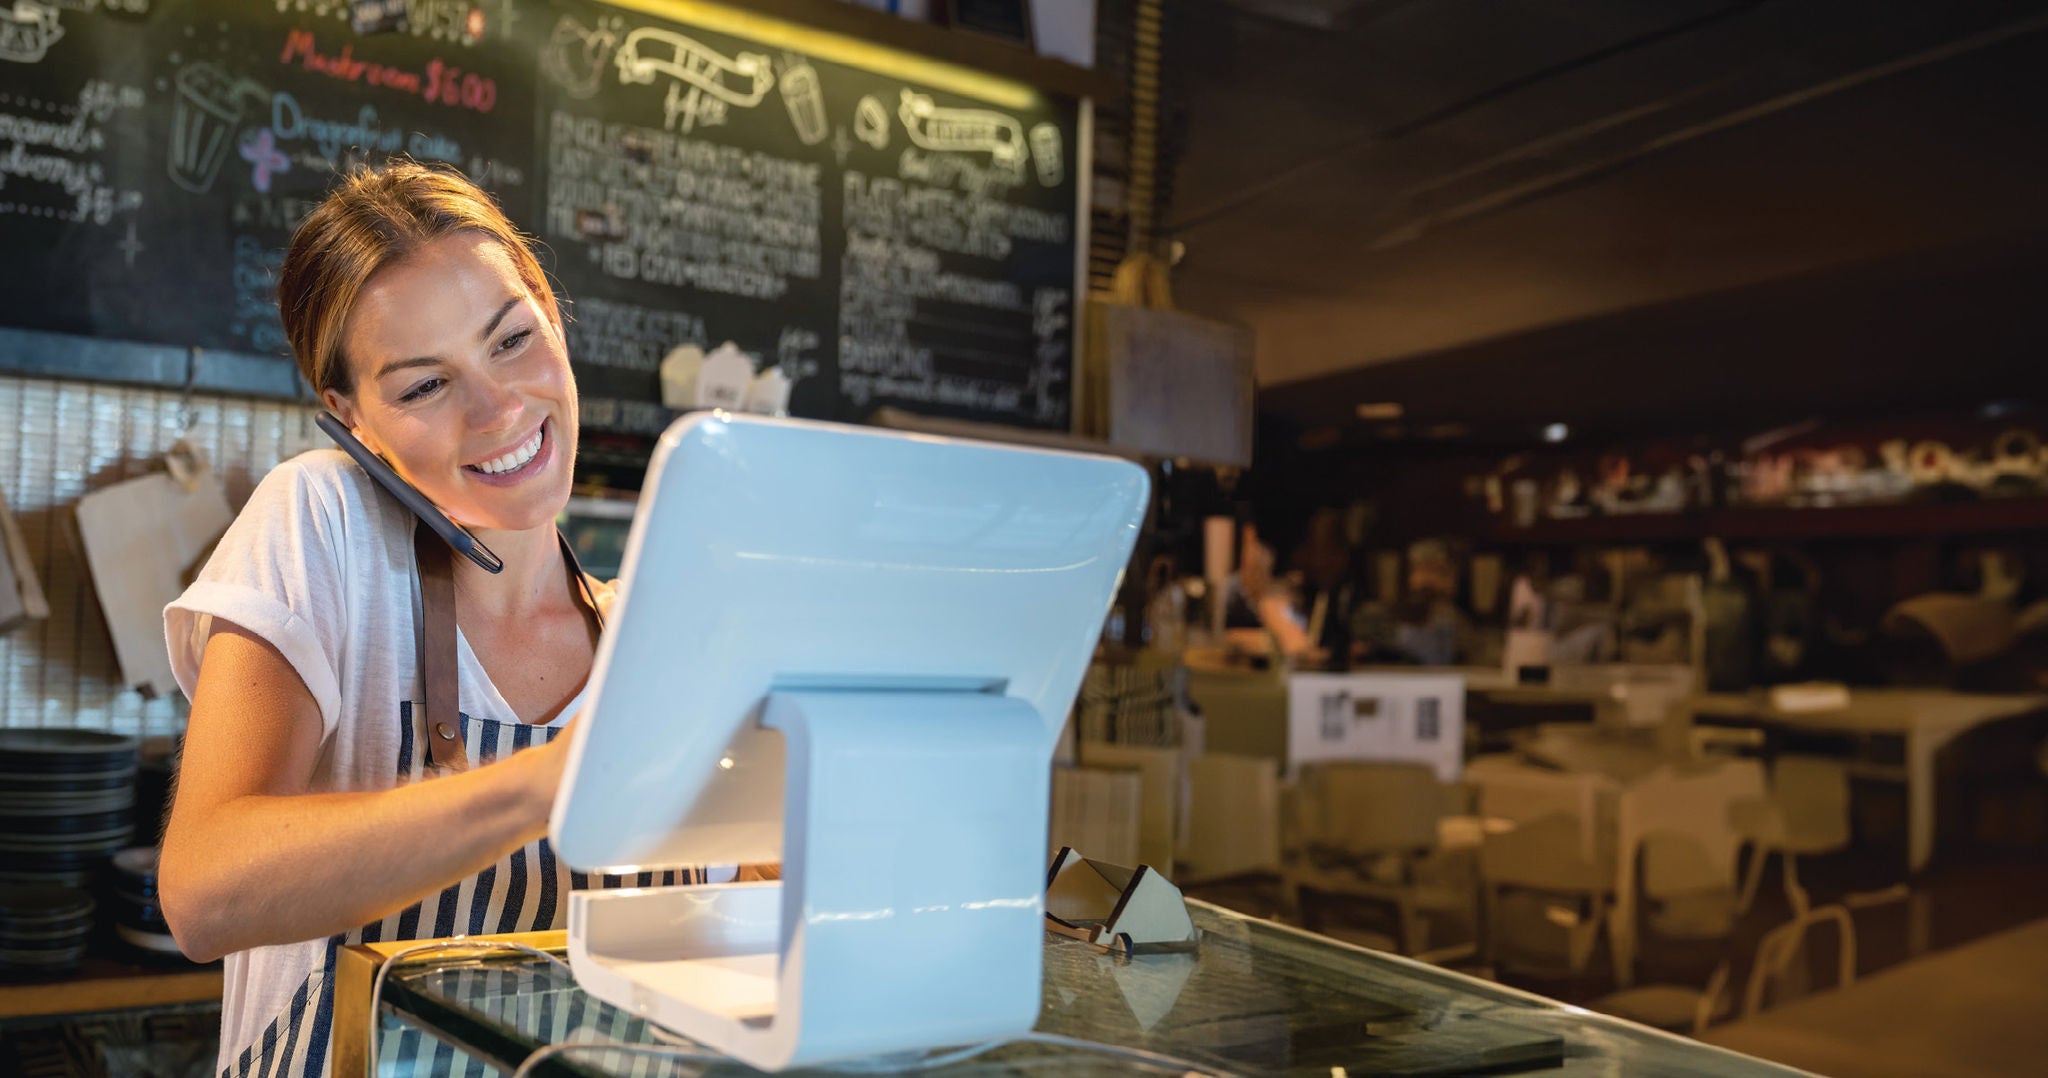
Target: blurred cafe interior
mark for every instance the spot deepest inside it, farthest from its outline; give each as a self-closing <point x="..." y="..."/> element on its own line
<point x="1586" y="597"/>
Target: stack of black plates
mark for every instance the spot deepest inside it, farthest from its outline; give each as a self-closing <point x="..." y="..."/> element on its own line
<point x="67" y="801"/>
<point x="138" y="919"/>
<point x="43" y="929"/>
<point x="153" y="779"/>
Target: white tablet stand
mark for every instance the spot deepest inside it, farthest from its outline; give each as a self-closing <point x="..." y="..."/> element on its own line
<point x="852" y="650"/>
<point x="908" y="914"/>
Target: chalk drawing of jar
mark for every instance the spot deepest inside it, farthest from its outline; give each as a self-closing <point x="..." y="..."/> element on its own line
<point x="1045" y="152"/>
<point x="871" y="122"/>
<point x="805" y="97"/>
<point x="203" y="121"/>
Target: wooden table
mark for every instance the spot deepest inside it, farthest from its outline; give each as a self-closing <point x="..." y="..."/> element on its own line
<point x="1976" y="1010"/>
<point x="1925" y="720"/>
<point x="1628" y="796"/>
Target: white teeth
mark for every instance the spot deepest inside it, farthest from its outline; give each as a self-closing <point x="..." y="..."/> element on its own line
<point x="513" y="460"/>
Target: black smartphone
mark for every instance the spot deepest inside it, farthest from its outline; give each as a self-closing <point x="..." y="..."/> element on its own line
<point x="467" y="545"/>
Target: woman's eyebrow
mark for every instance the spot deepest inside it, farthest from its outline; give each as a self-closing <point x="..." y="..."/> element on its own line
<point x="492" y="327"/>
<point x="427" y="361"/>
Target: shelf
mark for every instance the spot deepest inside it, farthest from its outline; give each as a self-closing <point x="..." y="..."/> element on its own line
<point x="977" y="52"/>
<point x="106" y="984"/>
<point x="1846" y="522"/>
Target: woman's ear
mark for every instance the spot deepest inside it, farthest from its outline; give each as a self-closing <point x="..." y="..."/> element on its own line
<point x="343" y="409"/>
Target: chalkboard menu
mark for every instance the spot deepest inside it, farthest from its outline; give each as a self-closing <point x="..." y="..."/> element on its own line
<point x="884" y="242"/>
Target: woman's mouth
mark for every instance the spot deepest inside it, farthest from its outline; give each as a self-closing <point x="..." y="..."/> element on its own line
<point x="518" y="464"/>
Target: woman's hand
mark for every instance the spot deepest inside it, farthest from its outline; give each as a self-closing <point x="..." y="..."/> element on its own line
<point x="254" y="855"/>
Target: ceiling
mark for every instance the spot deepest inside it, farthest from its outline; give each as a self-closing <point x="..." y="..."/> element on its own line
<point x="1499" y="212"/>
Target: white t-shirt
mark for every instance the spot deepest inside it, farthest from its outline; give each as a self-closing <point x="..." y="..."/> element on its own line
<point x="320" y="565"/>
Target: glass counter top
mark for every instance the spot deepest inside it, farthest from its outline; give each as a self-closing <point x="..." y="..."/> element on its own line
<point x="1257" y="998"/>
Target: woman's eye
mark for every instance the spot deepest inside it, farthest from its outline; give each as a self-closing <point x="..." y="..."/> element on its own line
<point x="514" y="341"/>
<point x="419" y="391"/>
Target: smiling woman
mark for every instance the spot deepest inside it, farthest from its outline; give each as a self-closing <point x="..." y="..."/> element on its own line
<point x="307" y="790"/>
<point x="452" y="338"/>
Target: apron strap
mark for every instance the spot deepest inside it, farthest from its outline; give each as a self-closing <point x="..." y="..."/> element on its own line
<point x="440" y="673"/>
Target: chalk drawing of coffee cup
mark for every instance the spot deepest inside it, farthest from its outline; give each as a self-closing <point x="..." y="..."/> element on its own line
<point x="805" y="97"/>
<point x="204" y="117"/>
<point x="576" y="55"/>
<point x="1045" y="153"/>
<point x="871" y="122"/>
<point x="27" y="30"/>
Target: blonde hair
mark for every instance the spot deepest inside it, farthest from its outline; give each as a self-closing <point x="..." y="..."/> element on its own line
<point x="376" y="218"/>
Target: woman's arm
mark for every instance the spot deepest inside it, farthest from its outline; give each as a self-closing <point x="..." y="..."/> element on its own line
<point x="251" y="858"/>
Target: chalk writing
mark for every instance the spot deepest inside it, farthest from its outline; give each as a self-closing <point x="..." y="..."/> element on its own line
<point x="946" y="220"/>
<point x="624" y="416"/>
<point x="339" y="142"/>
<point x="450" y="85"/>
<point x="63" y="154"/>
<point x="441" y="82"/>
<point x="493" y="173"/>
<point x="300" y="45"/>
<point x="459" y="21"/>
<point x="254" y="320"/>
<point x="1050" y="330"/>
<point x="718" y="218"/>
<point x="627" y="336"/>
<point x="277" y="213"/>
<point x="909" y="328"/>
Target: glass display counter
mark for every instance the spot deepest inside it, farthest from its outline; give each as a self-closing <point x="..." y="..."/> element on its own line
<point x="1257" y="998"/>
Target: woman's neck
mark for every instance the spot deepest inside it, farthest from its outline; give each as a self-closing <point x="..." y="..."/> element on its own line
<point x="534" y="577"/>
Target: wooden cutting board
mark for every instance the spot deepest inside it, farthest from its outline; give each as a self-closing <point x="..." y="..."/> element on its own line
<point x="142" y="540"/>
<point x="21" y="594"/>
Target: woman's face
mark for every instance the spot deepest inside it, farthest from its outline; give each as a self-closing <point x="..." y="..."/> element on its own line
<point x="462" y="384"/>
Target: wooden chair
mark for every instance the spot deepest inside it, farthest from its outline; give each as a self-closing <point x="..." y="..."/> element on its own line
<point x="1233" y="818"/>
<point x="1688" y="888"/>
<point x="1782" y="946"/>
<point x="1366" y="831"/>
<point x="1556" y="848"/>
<point x="1097" y="812"/>
<point x="1160" y="774"/>
<point x="1805" y="813"/>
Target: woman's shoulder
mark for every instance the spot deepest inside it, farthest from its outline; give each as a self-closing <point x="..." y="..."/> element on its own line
<point x="324" y="478"/>
<point x="316" y="473"/>
<point x="322" y="497"/>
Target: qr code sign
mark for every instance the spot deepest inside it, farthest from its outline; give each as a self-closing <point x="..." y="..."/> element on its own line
<point x="1428" y="720"/>
<point x="1336" y="706"/>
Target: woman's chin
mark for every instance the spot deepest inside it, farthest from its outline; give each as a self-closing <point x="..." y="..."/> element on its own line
<point x="535" y="504"/>
<point x="541" y="514"/>
<point x="514" y="522"/>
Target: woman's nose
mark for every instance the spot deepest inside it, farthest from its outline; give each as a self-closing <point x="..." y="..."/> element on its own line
<point x="493" y="405"/>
